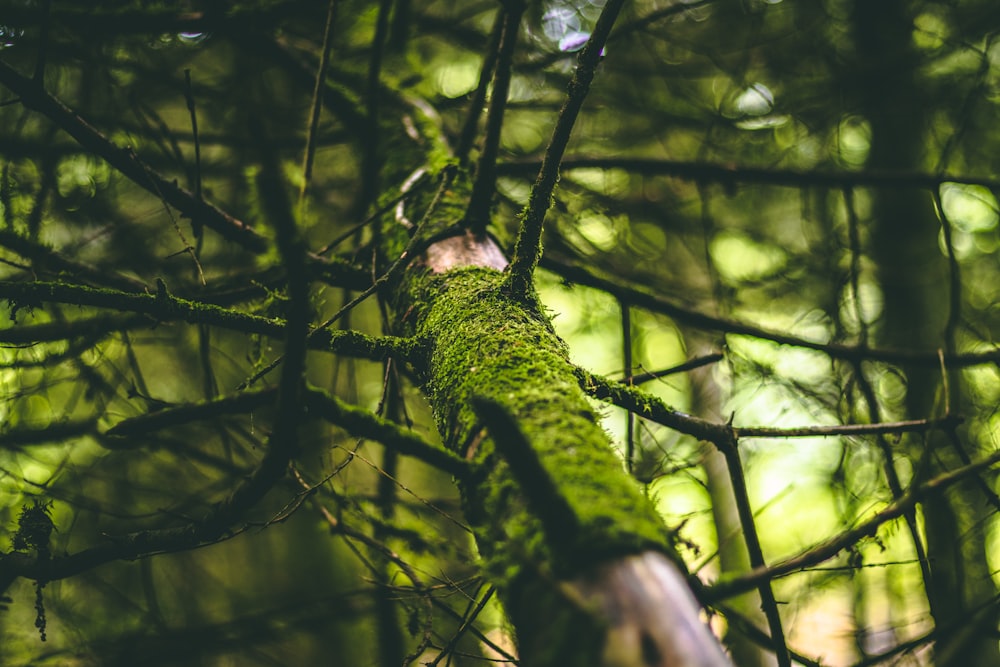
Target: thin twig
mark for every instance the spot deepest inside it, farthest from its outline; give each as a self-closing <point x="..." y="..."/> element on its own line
<point x="505" y="656"/>
<point x="188" y="249"/>
<point x="909" y="426"/>
<point x="316" y="107"/>
<point x="412" y="186"/>
<point x="844" y="540"/>
<point x="471" y="124"/>
<point x="189" y="99"/>
<point x="467" y="622"/>
<point x="477" y="215"/>
<point x="125" y="161"/>
<point x="528" y="247"/>
<point x="338" y="527"/>
<point x="423" y="501"/>
<point x="689" y="365"/>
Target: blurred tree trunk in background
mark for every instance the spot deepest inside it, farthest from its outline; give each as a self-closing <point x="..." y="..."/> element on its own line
<point x="918" y="307"/>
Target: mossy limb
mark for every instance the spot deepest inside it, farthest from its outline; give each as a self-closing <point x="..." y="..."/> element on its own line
<point x="578" y="552"/>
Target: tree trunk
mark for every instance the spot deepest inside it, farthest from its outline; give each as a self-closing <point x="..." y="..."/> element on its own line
<point x="912" y="274"/>
<point x="580" y="557"/>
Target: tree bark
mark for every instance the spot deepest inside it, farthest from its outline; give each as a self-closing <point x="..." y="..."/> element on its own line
<point x="579" y="555"/>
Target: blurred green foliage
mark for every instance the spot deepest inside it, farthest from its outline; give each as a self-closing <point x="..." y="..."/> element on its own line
<point x="731" y="157"/>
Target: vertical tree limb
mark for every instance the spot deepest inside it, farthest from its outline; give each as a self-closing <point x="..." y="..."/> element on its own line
<point x="478" y="213"/>
<point x="528" y="247"/>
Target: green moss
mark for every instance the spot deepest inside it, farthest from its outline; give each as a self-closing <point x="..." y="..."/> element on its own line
<point x="485" y="347"/>
<point x="481" y="343"/>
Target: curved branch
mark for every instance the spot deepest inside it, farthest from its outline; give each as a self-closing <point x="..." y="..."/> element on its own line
<point x="652" y="408"/>
<point x="128" y="163"/>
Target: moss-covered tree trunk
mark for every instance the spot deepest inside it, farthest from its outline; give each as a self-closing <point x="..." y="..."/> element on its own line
<point x="913" y="277"/>
<point x="580" y="557"/>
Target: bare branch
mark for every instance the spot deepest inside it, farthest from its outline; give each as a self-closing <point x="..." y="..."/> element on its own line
<point x="477" y="215"/>
<point x="528" y="248"/>
<point x="125" y="161"/>
<point x="844" y="540"/>
<point x="730" y="175"/>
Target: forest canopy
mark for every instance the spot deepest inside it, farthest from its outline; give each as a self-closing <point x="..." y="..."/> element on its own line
<point x="246" y="416"/>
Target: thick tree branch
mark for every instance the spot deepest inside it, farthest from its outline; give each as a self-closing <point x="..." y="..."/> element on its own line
<point x="604" y="574"/>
